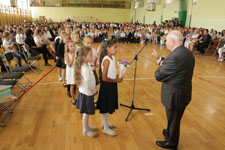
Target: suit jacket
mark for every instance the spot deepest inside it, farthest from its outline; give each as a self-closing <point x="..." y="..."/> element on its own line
<point x="176" y="76"/>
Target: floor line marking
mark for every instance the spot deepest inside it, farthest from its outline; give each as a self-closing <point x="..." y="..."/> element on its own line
<point x="211" y="77"/>
<point x="213" y="83"/>
<point x="30" y="88"/>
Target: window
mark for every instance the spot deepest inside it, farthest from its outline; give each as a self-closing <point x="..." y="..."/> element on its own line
<point x="5" y="2"/>
<point x="23" y="4"/>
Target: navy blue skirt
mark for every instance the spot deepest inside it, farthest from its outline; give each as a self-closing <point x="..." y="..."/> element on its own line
<point x="108" y="97"/>
<point x="85" y="104"/>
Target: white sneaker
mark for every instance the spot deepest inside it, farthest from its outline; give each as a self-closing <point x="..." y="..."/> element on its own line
<point x="92" y="128"/>
<point x="220" y="59"/>
<point x="90" y="134"/>
<point x="110" y="132"/>
<point x="111" y="126"/>
<point x="60" y="79"/>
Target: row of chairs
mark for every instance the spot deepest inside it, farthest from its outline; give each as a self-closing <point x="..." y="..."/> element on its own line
<point x="214" y="45"/>
<point x="13" y="75"/>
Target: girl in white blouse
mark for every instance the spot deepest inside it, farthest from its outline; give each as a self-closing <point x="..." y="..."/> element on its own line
<point x="85" y="80"/>
<point x="108" y="94"/>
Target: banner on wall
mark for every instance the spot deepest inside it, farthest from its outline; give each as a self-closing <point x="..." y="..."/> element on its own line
<point x="82" y="17"/>
<point x="85" y="17"/>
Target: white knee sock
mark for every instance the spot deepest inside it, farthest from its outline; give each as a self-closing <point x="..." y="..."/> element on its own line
<point x="105" y="121"/>
<point x="85" y="122"/>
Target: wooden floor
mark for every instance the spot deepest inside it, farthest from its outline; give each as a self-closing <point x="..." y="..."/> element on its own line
<point x="45" y="119"/>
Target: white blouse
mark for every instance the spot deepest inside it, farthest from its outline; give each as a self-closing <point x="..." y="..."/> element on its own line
<point x="122" y="34"/>
<point x="112" y="67"/>
<point x="88" y="84"/>
<point x="38" y="41"/>
<point x="19" y="38"/>
<point x="6" y="45"/>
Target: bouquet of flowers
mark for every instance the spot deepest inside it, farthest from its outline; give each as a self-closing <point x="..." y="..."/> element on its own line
<point x="123" y="65"/>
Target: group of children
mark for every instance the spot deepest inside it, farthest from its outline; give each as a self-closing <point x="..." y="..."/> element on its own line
<point x="77" y="64"/>
<point x="140" y="34"/>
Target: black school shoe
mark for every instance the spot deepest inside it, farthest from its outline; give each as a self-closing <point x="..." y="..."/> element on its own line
<point x="74" y="102"/>
<point x="47" y="64"/>
<point x="69" y="95"/>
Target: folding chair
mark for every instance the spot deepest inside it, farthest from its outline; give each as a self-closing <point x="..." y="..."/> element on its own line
<point x="8" y="57"/>
<point x="2" y="49"/>
<point x="12" y="83"/>
<point x="6" y="96"/>
<point x="11" y="76"/>
<point x="220" y="44"/>
<point x="29" y="58"/>
<point x="213" y="45"/>
<point x="208" y="47"/>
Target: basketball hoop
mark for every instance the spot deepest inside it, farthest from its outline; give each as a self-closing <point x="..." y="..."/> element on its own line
<point x="150" y="7"/>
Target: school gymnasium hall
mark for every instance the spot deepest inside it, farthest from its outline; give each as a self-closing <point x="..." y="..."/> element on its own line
<point x="47" y="44"/>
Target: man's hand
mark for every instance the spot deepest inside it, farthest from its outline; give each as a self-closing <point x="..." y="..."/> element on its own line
<point x="155" y="54"/>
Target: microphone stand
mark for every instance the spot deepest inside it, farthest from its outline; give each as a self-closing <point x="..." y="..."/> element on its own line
<point x="132" y="107"/>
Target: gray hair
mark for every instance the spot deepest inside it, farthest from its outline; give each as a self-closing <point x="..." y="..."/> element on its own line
<point x="176" y="35"/>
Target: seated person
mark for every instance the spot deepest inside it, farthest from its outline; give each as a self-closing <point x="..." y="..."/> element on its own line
<point x="20" y="37"/>
<point x="1" y="36"/>
<point x="220" y="52"/>
<point x="204" y="42"/>
<point x="195" y="37"/>
<point x="214" y="35"/>
<point x="9" y="47"/>
<point x="188" y="38"/>
<point x="34" y="50"/>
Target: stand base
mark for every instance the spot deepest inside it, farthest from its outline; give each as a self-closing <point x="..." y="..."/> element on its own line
<point x="131" y="108"/>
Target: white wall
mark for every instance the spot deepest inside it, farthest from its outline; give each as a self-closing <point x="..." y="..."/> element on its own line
<point x="62" y="13"/>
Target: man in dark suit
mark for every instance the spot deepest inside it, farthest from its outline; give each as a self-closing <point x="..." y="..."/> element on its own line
<point x="175" y="73"/>
<point x="204" y="42"/>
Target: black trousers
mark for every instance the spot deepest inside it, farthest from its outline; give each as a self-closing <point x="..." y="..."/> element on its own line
<point x="200" y="47"/>
<point x="173" y="127"/>
<point x="42" y="50"/>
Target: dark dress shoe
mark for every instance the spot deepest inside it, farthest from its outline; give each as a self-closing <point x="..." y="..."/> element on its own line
<point x="69" y="95"/>
<point x="165" y="133"/>
<point x="47" y="64"/>
<point x="166" y="144"/>
<point x="74" y="102"/>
